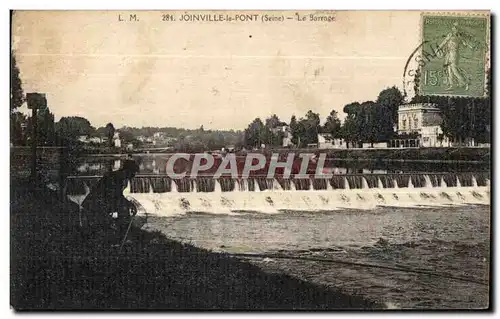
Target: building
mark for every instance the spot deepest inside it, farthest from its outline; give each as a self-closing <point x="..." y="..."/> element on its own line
<point x="287" y="136"/>
<point x="325" y="141"/>
<point x="96" y="140"/>
<point x="116" y="140"/>
<point x="83" y="138"/>
<point x="423" y="122"/>
<point x="375" y="145"/>
<point x="159" y="135"/>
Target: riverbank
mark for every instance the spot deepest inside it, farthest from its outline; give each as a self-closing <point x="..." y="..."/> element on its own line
<point x="54" y="266"/>
<point x="428" y="154"/>
<point x="437" y="155"/>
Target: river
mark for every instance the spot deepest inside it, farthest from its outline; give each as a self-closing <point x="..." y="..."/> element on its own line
<point x="441" y="228"/>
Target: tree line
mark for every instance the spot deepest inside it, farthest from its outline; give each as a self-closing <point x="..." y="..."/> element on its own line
<point x="67" y="130"/>
<point x="376" y="121"/>
<point x="463" y="117"/>
<point x="370" y="121"/>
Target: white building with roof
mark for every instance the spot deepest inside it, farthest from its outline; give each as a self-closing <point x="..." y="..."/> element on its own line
<point x="423" y="120"/>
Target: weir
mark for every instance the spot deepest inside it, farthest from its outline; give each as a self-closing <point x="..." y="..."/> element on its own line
<point x="161" y="195"/>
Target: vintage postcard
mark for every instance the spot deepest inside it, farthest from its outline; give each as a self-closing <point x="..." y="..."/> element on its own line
<point x="250" y="160"/>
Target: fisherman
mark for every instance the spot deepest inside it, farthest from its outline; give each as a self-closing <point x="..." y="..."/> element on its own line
<point x="106" y="198"/>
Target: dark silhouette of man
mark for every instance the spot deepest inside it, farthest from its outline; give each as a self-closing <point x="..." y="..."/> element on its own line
<point x="107" y="198"/>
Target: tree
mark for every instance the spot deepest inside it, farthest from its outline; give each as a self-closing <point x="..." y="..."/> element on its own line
<point x="350" y="129"/>
<point x="273" y="121"/>
<point x="110" y="133"/>
<point x="333" y="125"/>
<point x="271" y="134"/>
<point x="17" y="134"/>
<point x="254" y="133"/>
<point x="16" y="90"/>
<point x="46" y="127"/>
<point x="462" y="117"/>
<point x="364" y="122"/>
<point x="307" y="129"/>
<point x="17" y="119"/>
<point x="351" y="108"/>
<point x="127" y="137"/>
<point x="391" y="98"/>
<point x="294" y="130"/>
<point x="73" y="126"/>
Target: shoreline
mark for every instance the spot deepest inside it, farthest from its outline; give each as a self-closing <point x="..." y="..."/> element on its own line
<point x="451" y="155"/>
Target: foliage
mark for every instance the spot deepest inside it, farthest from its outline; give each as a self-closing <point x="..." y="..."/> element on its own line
<point x="333" y="125"/>
<point x="309" y="127"/>
<point x="17" y="119"/>
<point x="464" y="117"/>
<point x="17" y="133"/>
<point x="109" y="130"/>
<point x="391" y="99"/>
<point x="294" y="130"/>
<point x="46" y="134"/>
<point x="16" y="90"/>
<point x="73" y="126"/>
<point x="269" y="134"/>
<point x="127" y="137"/>
<point x="254" y="133"/>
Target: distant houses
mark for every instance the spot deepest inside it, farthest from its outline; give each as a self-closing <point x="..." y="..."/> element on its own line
<point x="92" y="139"/>
<point x="326" y="141"/>
<point x="116" y="140"/>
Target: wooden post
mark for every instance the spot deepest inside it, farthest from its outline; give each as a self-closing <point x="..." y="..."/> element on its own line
<point x="34" y="124"/>
<point x="35" y="101"/>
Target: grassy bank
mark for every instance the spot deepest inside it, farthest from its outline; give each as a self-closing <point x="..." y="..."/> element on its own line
<point x="55" y="266"/>
<point x="415" y="154"/>
<point x="454" y="154"/>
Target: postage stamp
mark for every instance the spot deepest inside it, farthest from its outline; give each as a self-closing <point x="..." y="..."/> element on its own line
<point x="456" y="48"/>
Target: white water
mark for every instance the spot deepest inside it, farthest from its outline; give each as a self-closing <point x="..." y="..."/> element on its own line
<point x="410" y="184"/>
<point x="171" y="204"/>
<point x="276" y="186"/>
<point x="428" y="182"/>
<point x="277" y="200"/>
<point x="379" y="184"/>
<point x="218" y="188"/>
<point x="443" y="183"/>
<point x="328" y="186"/>
<point x="346" y="184"/>
<point x="474" y="182"/>
<point x="364" y="184"/>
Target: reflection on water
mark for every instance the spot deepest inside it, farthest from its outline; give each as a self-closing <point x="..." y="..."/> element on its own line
<point x="157" y="165"/>
<point x="447" y="240"/>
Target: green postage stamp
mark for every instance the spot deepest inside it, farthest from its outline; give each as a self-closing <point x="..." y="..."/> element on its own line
<point x="455" y="53"/>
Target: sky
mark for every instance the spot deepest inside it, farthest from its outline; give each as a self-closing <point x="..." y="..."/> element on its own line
<point x="221" y="75"/>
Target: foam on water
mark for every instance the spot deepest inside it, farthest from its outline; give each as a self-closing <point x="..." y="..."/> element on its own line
<point x="171" y="204"/>
<point x="234" y="197"/>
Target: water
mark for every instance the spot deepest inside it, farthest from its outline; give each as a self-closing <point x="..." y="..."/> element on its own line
<point x="437" y="219"/>
<point x="156" y="164"/>
<point x="452" y="240"/>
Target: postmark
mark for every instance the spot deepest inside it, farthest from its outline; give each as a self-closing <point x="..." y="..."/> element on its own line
<point x="454" y="55"/>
